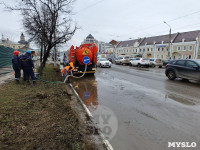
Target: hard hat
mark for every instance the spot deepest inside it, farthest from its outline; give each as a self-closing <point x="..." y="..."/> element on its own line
<point x="16" y="53"/>
<point x="28" y="51"/>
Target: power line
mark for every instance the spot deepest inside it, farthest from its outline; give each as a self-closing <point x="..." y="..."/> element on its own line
<point x="90" y="6"/>
<point x="169" y="21"/>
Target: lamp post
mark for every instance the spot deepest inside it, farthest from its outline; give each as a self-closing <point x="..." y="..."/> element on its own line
<point x="169" y="47"/>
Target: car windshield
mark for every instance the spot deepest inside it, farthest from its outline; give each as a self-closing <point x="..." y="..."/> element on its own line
<point x="103" y="59"/>
<point x="145" y="59"/>
<point x="197" y="61"/>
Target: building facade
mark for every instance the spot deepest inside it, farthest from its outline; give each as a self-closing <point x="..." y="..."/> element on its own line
<point x="21" y="45"/>
<point x="180" y="46"/>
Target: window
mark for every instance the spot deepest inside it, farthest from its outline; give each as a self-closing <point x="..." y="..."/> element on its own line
<point x="162" y="49"/>
<point x="158" y="49"/>
<point x="178" y="48"/>
<point x="180" y="62"/>
<point x="136" y="50"/>
<point x="13" y="46"/>
<point x="184" y="48"/>
<point x="148" y="49"/>
<point x="190" y="56"/>
<point x="183" y="56"/>
<point x="191" y="47"/>
<point x="191" y="64"/>
<point x="143" y="50"/>
<point x="140" y="50"/>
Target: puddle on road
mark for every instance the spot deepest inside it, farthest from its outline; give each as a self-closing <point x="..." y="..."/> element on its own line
<point x="87" y="89"/>
<point x="182" y="100"/>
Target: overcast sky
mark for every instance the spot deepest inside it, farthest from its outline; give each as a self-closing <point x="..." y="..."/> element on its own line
<point x="119" y="19"/>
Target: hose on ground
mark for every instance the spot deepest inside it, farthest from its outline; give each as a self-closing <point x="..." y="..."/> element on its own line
<point x="67" y="77"/>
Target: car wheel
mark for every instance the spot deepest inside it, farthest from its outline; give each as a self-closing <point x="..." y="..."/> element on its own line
<point x="110" y="66"/>
<point x="160" y="66"/>
<point x="100" y="66"/>
<point x="153" y="66"/>
<point x="171" y="75"/>
<point x="120" y="63"/>
<point x="138" y="65"/>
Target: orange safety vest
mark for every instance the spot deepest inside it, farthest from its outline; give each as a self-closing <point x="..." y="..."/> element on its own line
<point x="65" y="68"/>
<point x="71" y="65"/>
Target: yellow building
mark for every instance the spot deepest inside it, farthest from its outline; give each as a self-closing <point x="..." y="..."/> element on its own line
<point x="21" y="45"/>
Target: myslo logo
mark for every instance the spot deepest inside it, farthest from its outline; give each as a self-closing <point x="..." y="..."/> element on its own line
<point x="182" y="144"/>
<point x="106" y="120"/>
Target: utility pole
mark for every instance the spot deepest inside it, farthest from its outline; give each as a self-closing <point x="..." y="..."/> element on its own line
<point x="169" y="47"/>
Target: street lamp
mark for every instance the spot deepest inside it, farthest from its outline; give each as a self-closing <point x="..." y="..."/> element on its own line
<point x="169" y="47"/>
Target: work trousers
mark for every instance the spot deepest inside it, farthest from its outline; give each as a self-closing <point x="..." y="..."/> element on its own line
<point x="29" y="72"/>
<point x="17" y="74"/>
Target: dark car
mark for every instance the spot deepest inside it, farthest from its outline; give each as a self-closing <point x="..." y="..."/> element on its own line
<point x="185" y="69"/>
<point x="110" y="59"/>
<point x="166" y="62"/>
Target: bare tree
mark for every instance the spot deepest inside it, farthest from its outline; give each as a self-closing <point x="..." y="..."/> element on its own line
<point x="47" y="22"/>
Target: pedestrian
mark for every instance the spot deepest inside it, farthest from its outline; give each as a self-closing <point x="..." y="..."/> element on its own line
<point x="27" y="66"/>
<point x="16" y="65"/>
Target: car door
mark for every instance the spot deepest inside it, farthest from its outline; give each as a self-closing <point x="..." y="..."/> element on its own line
<point x="180" y="67"/>
<point x="192" y="70"/>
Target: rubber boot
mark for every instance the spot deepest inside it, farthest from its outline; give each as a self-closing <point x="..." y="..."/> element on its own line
<point x="17" y="81"/>
<point x="34" y="82"/>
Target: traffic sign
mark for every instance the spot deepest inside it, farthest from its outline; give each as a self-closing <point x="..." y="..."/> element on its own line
<point x="86" y="60"/>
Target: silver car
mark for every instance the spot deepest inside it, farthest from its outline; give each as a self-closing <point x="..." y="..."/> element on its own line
<point x="156" y="62"/>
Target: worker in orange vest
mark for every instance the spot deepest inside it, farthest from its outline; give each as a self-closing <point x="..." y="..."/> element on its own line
<point x="68" y="69"/>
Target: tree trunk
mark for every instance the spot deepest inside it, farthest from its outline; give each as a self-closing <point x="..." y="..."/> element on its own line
<point x="46" y="55"/>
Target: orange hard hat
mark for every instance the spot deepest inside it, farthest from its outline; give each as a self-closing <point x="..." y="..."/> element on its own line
<point x="16" y="53"/>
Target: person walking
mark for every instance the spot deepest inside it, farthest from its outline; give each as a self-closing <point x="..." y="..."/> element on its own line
<point x="27" y="66"/>
<point x="16" y="65"/>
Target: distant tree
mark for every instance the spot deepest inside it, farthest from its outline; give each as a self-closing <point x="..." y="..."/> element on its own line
<point x="47" y="22"/>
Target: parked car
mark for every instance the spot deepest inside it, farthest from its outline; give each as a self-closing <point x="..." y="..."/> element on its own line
<point x="166" y="62"/>
<point x="131" y="59"/>
<point x="103" y="62"/>
<point x="119" y="60"/>
<point x="185" y="69"/>
<point x="125" y="60"/>
<point x="140" y="62"/>
<point x="110" y="59"/>
<point x="156" y="62"/>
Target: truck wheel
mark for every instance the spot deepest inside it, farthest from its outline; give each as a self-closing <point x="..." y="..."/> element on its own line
<point x="171" y="75"/>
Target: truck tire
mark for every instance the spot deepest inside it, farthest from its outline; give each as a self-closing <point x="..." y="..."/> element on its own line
<point x="171" y="75"/>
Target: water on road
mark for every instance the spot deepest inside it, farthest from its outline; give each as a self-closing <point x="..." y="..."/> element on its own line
<point x="151" y="110"/>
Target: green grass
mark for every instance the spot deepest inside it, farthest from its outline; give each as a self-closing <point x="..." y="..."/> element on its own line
<point x="39" y="116"/>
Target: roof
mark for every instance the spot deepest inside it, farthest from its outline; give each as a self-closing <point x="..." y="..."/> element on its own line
<point x="127" y="43"/>
<point x="89" y="37"/>
<point x="163" y="39"/>
<point x="187" y="36"/>
<point x="157" y="39"/>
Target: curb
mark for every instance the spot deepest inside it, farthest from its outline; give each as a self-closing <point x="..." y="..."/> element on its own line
<point x="105" y="141"/>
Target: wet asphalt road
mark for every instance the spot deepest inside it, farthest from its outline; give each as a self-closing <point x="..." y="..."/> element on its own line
<point x="151" y="110"/>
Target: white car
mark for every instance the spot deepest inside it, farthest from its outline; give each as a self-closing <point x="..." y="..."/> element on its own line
<point x="103" y="62"/>
<point x="140" y="62"/>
